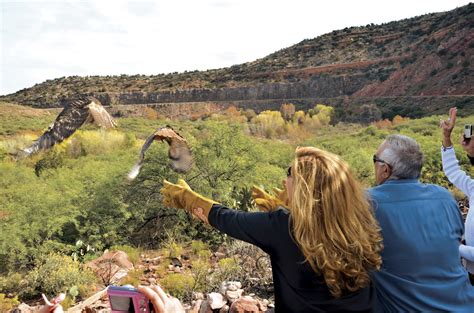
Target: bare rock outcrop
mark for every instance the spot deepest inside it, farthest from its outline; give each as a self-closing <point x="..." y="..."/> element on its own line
<point x="111" y="267"/>
<point x="230" y="299"/>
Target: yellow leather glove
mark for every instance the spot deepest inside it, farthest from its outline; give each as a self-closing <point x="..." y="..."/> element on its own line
<point x="181" y="196"/>
<point x="266" y="202"/>
<point x="282" y="195"/>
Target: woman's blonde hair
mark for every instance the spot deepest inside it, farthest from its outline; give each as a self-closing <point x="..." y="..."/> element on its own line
<point x="332" y="221"/>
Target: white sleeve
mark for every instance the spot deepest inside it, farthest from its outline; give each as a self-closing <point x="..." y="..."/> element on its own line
<point x="453" y="171"/>
<point x="467" y="252"/>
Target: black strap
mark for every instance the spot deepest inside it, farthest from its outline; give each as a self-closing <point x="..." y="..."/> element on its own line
<point x="471" y="158"/>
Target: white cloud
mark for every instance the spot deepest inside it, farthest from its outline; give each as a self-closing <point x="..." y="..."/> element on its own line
<point x="48" y="39"/>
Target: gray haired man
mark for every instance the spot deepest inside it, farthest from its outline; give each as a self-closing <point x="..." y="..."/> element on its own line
<point x="422" y="228"/>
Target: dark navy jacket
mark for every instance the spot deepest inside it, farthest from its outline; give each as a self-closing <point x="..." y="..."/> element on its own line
<point x="297" y="287"/>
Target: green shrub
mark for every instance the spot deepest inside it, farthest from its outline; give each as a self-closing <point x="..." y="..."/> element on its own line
<point x="56" y="273"/>
<point x="228" y="264"/>
<point x="162" y="269"/>
<point x="228" y="268"/>
<point x="3" y="153"/>
<point x="83" y="252"/>
<point x="204" y="254"/>
<point x="75" y="148"/>
<point x="6" y="304"/>
<point x="198" y="245"/>
<point x="199" y="271"/>
<point x="178" y="285"/>
<point x="68" y="302"/>
<point x="101" y="141"/>
<point x="173" y="249"/>
<point x="370" y="131"/>
<point x="133" y="277"/>
<point x="51" y="160"/>
<point x="12" y="283"/>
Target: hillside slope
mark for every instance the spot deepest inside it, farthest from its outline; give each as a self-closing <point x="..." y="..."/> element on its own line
<point x="416" y="66"/>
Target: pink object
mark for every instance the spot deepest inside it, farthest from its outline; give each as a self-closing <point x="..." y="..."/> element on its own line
<point x="127" y="299"/>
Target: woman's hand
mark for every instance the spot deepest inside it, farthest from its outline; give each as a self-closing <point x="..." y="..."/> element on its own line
<point x="447" y="126"/>
<point x="162" y="302"/>
<point x="181" y="196"/>
<point x="53" y="305"/>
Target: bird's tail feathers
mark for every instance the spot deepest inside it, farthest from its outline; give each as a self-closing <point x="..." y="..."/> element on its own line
<point x="134" y="171"/>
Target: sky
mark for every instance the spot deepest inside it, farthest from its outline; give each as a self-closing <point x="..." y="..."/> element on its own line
<point x="41" y="40"/>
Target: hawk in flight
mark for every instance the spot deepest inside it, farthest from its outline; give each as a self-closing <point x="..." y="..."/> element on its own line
<point x="181" y="159"/>
<point x="75" y="113"/>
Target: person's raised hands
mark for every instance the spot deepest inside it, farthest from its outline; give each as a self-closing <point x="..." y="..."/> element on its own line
<point x="447" y="127"/>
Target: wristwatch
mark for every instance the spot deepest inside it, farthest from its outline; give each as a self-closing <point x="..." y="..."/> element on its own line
<point x="446" y="148"/>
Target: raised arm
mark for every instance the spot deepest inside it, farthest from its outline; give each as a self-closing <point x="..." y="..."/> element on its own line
<point x="467" y="252"/>
<point x="254" y="227"/>
<point x="451" y="167"/>
<point x="455" y="174"/>
<point x="257" y="228"/>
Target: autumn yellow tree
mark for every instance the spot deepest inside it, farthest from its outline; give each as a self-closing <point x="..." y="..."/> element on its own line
<point x="231" y="114"/>
<point x="320" y="115"/>
<point x="267" y="124"/>
<point x="383" y="124"/>
<point x="397" y="119"/>
<point x="299" y="117"/>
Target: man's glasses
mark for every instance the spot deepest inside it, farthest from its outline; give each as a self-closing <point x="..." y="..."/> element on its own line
<point x="376" y="159"/>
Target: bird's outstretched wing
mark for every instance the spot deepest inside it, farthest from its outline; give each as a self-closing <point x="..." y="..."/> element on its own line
<point x="181" y="159"/>
<point x="100" y="115"/>
<point x="74" y="114"/>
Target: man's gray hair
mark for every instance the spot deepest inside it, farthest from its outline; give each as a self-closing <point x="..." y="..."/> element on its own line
<point x="404" y="156"/>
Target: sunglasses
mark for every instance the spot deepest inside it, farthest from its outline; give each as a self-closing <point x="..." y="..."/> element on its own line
<point x="376" y="159"/>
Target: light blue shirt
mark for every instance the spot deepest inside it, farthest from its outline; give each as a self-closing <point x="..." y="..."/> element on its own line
<point x="421" y="266"/>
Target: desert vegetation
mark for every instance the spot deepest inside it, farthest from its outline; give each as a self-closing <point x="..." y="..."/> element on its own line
<point x="62" y="208"/>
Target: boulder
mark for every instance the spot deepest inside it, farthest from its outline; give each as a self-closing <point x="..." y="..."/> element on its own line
<point x="195" y="306"/>
<point x="216" y="300"/>
<point x="197" y="295"/>
<point x="233" y="295"/>
<point x="231" y="290"/>
<point x="24" y="308"/>
<point x="219" y="255"/>
<point x="245" y="305"/>
<point x="230" y="285"/>
<point x="205" y="307"/>
<point x="111" y="267"/>
<point x="176" y="262"/>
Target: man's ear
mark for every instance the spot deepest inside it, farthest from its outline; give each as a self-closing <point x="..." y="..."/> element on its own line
<point x="387" y="171"/>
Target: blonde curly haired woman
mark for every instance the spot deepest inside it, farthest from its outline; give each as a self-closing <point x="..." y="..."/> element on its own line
<point x="322" y="247"/>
